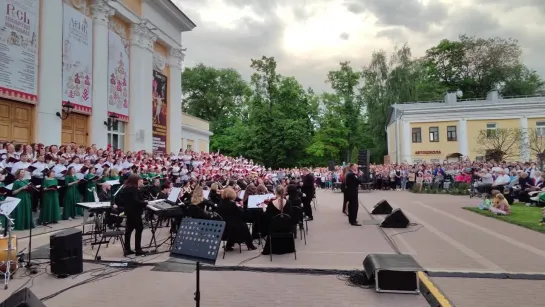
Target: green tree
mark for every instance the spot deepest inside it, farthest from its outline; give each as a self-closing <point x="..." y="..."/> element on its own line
<point x="477" y="65"/>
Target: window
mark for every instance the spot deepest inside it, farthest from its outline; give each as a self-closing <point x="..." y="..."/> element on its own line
<point x="540" y="129"/>
<point x="189" y="147"/>
<point x="434" y="134"/>
<point x="417" y="135"/>
<point x="491" y="130"/>
<point x="116" y="134"/>
<point x="435" y="161"/>
<point x="417" y="161"/>
<point x="451" y="133"/>
<point x="479" y="158"/>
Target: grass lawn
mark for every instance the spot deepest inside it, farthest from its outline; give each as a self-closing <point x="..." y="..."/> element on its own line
<point x="527" y="217"/>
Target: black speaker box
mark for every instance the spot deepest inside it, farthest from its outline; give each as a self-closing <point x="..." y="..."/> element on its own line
<point x="394" y="273"/>
<point x="66" y="252"/>
<point x="396" y="219"/>
<point x="22" y="298"/>
<point x="331" y="166"/>
<point x="382" y="207"/>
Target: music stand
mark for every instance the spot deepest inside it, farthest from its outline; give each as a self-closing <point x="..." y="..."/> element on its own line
<point x="199" y="241"/>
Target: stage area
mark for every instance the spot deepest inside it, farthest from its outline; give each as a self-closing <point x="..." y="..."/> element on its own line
<point x="445" y="239"/>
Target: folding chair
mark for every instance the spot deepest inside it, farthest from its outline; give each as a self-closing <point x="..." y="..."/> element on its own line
<point x="280" y="227"/>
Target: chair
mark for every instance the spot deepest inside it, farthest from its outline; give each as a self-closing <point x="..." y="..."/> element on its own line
<point x="298" y="218"/>
<point x="107" y="238"/>
<point x="279" y="227"/>
<point x="217" y="217"/>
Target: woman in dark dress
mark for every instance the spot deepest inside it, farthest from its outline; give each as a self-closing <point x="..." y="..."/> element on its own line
<point x="235" y="229"/>
<point x="214" y="195"/>
<point x="133" y="206"/>
<point x="253" y="215"/>
<point x="280" y="245"/>
<point x="197" y="199"/>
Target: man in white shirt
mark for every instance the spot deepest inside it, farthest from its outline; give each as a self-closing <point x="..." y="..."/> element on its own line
<point x="486" y="181"/>
<point x="502" y="179"/>
<point x="23" y="164"/>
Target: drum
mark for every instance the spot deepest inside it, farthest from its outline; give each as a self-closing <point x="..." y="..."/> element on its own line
<point x="4" y="254"/>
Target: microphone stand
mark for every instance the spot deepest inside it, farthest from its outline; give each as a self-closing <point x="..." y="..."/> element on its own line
<point x="29" y="265"/>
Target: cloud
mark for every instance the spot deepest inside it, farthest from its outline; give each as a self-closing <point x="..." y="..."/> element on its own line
<point x="308" y="38"/>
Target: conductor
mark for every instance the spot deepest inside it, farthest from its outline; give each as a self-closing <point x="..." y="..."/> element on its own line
<point x="129" y="199"/>
<point x="352" y="183"/>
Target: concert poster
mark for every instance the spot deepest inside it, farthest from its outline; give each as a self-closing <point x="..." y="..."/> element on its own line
<point x="159" y="103"/>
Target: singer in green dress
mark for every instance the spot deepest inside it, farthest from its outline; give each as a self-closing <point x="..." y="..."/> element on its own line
<point x="90" y="185"/>
<point x="71" y="196"/>
<point x="2" y="197"/>
<point x="23" y="212"/>
<point x="51" y="211"/>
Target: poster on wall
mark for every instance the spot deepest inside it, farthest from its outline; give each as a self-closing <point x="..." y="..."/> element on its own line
<point x="118" y="76"/>
<point x="19" y="24"/>
<point x="77" y="59"/>
<point x="159" y="103"/>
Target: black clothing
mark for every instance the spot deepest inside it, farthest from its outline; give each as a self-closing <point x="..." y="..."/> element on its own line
<point x="280" y="245"/>
<point x="236" y="230"/>
<point x="214" y="197"/>
<point x="196" y="212"/>
<point x="133" y="206"/>
<point x="352" y="184"/>
<point x="308" y="190"/>
<point x="207" y="205"/>
<point x="162" y="195"/>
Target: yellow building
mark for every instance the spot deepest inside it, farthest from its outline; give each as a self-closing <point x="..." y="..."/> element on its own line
<point x="439" y="131"/>
<point x="195" y="133"/>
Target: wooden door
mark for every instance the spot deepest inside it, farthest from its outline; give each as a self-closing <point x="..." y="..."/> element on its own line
<point x="75" y="129"/>
<point x="16" y="122"/>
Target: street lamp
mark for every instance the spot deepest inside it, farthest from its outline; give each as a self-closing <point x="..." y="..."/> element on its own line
<point x="66" y="110"/>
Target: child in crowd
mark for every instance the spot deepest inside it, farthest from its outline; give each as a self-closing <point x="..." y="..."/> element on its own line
<point x="489" y="200"/>
<point x="500" y="205"/>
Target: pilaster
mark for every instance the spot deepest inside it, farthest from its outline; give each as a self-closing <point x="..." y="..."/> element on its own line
<point x="102" y="12"/>
<point x="175" y="61"/>
<point x="141" y="78"/>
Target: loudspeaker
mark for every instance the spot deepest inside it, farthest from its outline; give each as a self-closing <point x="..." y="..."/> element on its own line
<point x="66" y="252"/>
<point x="394" y="273"/>
<point x="382" y="207"/>
<point x="396" y="219"/>
<point x="331" y="167"/>
<point x="363" y="157"/>
<point x="22" y="298"/>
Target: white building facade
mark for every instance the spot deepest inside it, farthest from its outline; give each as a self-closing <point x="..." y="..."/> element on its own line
<point x="100" y="72"/>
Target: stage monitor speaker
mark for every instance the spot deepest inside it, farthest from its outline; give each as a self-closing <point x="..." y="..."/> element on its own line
<point x="22" y="298"/>
<point x="331" y="167"/>
<point x="394" y="273"/>
<point x="66" y="252"/>
<point x="382" y="207"/>
<point x="396" y="219"/>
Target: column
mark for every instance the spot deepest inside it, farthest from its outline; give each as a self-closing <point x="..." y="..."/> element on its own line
<point x="462" y="137"/>
<point x="407" y="140"/>
<point x="525" y="141"/>
<point x="141" y="78"/>
<point x="101" y="14"/>
<point x="175" y="59"/>
<point x="49" y="126"/>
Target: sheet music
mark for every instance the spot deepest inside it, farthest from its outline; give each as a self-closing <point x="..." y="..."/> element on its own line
<point x="7" y="206"/>
<point x="241" y="194"/>
<point x="9" y="186"/>
<point x="173" y="195"/>
<point x="112" y="182"/>
<point x="255" y="200"/>
<point x="205" y="193"/>
<point x="95" y="195"/>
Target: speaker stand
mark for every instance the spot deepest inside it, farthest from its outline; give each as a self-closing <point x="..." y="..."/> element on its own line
<point x="31" y="268"/>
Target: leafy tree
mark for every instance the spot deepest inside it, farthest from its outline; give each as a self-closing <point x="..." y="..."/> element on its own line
<point x="477" y="65"/>
<point x="500" y="144"/>
<point x="535" y="142"/>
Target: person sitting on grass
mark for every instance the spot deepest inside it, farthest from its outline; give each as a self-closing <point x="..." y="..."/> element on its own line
<point x="508" y="196"/>
<point x="500" y="206"/>
<point x="489" y="200"/>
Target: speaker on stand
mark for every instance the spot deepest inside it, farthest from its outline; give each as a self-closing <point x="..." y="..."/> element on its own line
<point x="331" y="166"/>
<point x="363" y="162"/>
<point x="22" y="298"/>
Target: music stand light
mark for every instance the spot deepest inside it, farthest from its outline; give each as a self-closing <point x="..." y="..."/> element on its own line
<point x="199" y="241"/>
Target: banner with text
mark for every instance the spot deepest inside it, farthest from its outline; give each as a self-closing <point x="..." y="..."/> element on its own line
<point x="19" y="24"/>
<point x="159" y="131"/>
<point x="118" y="76"/>
<point x="77" y="59"/>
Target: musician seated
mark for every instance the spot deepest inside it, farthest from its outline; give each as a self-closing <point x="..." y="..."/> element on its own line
<point x="282" y="245"/>
<point x="198" y="199"/>
<point x="295" y="195"/>
<point x="214" y="195"/>
<point x="155" y="189"/>
<point x="165" y="190"/>
<point x="235" y="229"/>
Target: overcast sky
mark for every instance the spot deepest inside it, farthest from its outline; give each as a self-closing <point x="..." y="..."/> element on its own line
<point x="310" y="37"/>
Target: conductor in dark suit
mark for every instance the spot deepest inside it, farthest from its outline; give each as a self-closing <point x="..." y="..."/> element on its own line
<point x="307" y="188"/>
<point x="129" y="199"/>
<point x="352" y="183"/>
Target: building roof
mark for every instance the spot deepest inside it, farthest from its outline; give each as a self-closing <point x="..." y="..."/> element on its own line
<point x="469" y="107"/>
